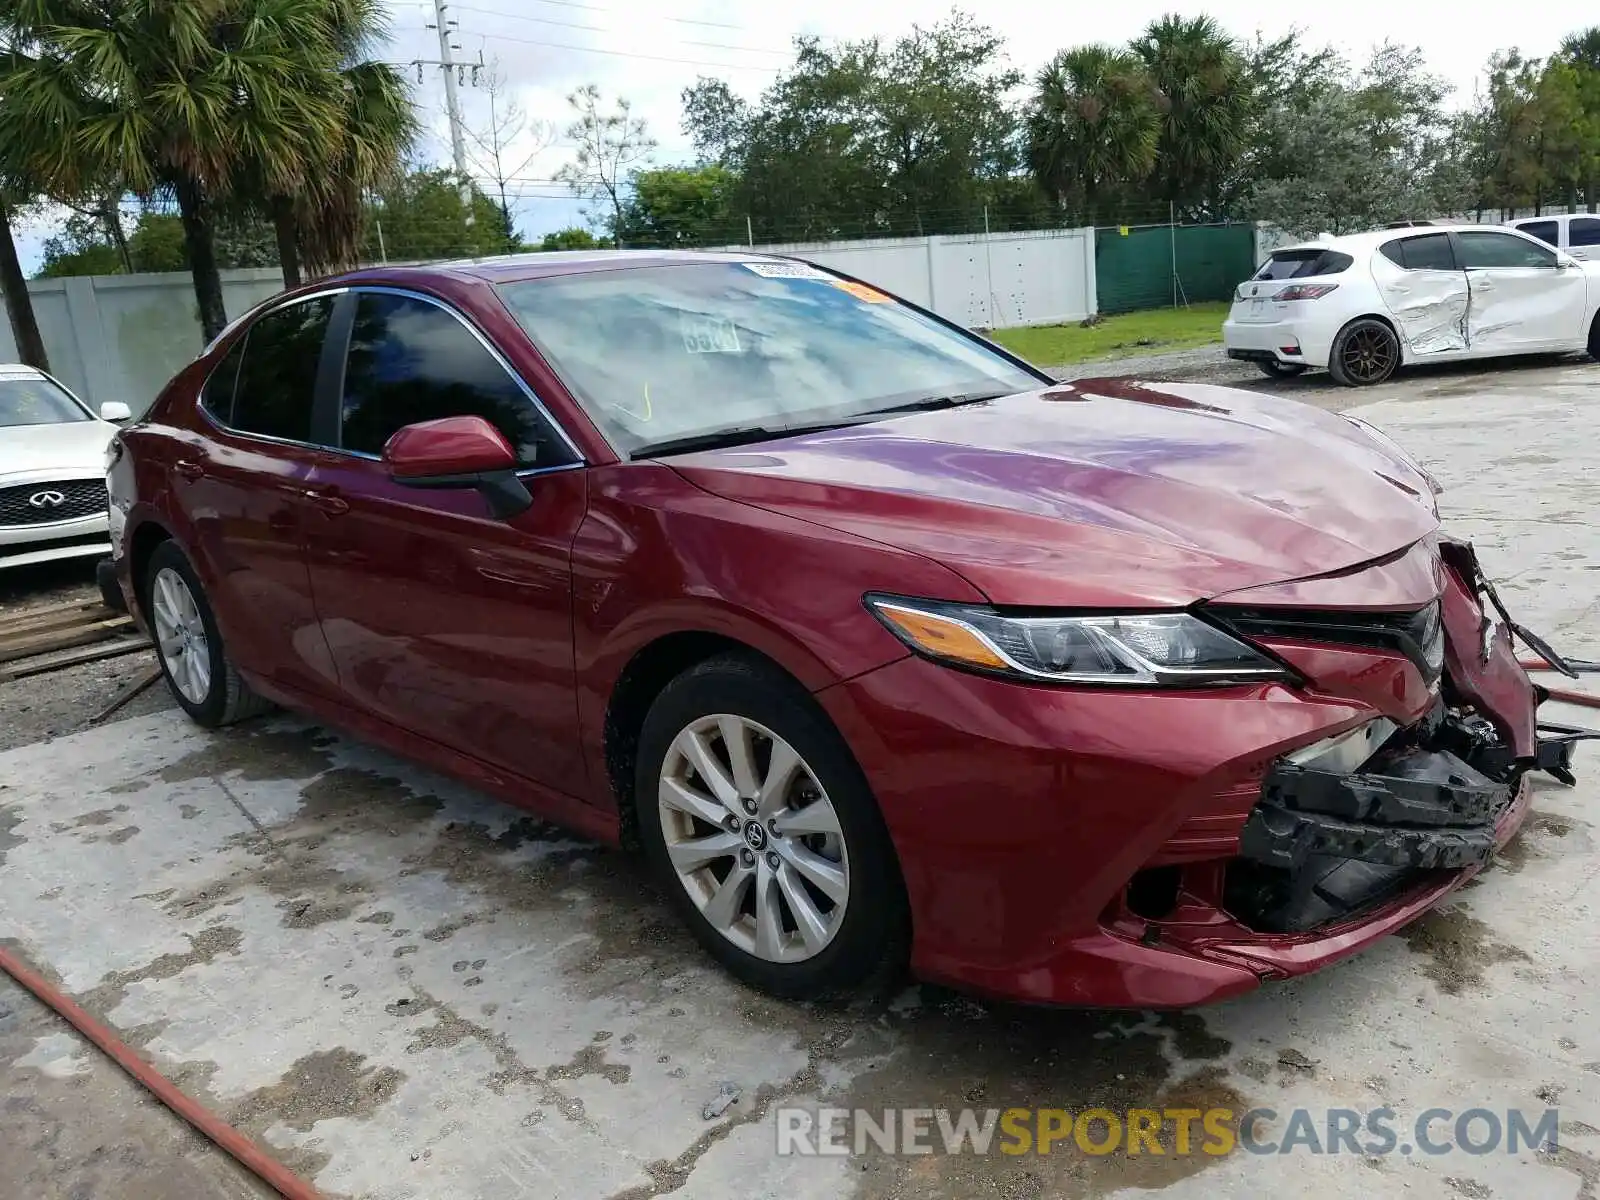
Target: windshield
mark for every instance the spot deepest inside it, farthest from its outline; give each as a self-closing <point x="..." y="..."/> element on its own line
<point x="37" y="402"/>
<point x="660" y="354"/>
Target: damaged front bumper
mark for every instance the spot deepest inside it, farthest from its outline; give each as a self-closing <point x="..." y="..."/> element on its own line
<point x="1350" y="839"/>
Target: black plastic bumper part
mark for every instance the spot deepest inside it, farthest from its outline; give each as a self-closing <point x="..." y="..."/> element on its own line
<point x="1421" y="809"/>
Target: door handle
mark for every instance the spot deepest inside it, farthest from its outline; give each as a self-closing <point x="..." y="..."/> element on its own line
<point x="328" y="501"/>
<point x="187" y="469"/>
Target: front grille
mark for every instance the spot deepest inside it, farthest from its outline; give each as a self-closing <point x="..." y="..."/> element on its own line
<point x="49" y="503"/>
<point x="1419" y="635"/>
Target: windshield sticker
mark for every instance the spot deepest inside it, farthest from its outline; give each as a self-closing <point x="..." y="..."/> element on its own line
<point x="708" y="335"/>
<point x="861" y="291"/>
<point x="786" y="270"/>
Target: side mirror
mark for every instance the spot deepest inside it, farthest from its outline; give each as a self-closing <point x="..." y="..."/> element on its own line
<point x="115" y="411"/>
<point x="459" y="452"/>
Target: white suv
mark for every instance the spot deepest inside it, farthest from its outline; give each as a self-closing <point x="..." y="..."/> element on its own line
<point x="52" y="470"/>
<point x="1366" y="304"/>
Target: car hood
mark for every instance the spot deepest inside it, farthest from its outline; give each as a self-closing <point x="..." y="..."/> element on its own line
<point x="1101" y="492"/>
<point x="72" y="447"/>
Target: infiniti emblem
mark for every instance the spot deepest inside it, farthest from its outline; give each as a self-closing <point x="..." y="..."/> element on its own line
<point x="46" y="499"/>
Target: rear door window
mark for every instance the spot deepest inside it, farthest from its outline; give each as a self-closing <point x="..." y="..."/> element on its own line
<point x="411" y="360"/>
<point x="278" y="376"/>
<point x="1296" y="264"/>
<point x="1429" y="252"/>
<point x="1584" y="231"/>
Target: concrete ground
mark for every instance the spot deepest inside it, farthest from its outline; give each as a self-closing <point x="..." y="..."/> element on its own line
<point x="409" y="991"/>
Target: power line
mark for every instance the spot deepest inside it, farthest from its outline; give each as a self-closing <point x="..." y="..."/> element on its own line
<point x="689" y="62"/>
<point x="606" y="29"/>
<point x="489" y="12"/>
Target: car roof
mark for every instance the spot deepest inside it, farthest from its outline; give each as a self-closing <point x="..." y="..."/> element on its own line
<point x="511" y="268"/>
<point x="1353" y="243"/>
<point x="20" y="371"/>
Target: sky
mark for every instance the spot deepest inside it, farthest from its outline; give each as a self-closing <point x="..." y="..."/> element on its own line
<point x="649" y="52"/>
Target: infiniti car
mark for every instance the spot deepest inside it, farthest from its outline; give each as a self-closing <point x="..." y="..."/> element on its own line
<point x="882" y="647"/>
<point x="52" y="470"/>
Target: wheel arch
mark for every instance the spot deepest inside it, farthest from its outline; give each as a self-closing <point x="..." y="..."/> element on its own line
<point x="142" y="541"/>
<point x="643" y="678"/>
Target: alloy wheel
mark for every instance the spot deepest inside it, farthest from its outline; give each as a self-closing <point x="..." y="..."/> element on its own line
<point x="181" y="635"/>
<point x="1369" y="355"/>
<point x="753" y="838"/>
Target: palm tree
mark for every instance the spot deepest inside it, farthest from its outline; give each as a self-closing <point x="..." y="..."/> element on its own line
<point x="14" y="284"/>
<point x="210" y="101"/>
<point x="1093" y="126"/>
<point x="1203" y="81"/>
<point x="320" y="222"/>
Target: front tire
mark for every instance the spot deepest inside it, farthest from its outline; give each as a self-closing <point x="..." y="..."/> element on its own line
<point x="1594" y="338"/>
<point x="1366" y="352"/>
<point x="189" y="645"/>
<point x="762" y="830"/>
<point x="1281" y="370"/>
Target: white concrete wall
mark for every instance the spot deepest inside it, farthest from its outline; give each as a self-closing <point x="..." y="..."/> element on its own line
<point x="121" y="337"/>
<point x="977" y="280"/>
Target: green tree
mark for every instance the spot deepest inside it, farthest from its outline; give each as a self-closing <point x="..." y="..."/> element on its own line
<point x="609" y="146"/>
<point x="1094" y="127"/>
<point x="1581" y="51"/>
<point x="208" y="101"/>
<point x="680" y="206"/>
<point x="1206" y="108"/>
<point x="156" y="243"/>
<point x="81" y="248"/>
<point x="569" y="239"/>
<point x="913" y="136"/>
<point x="424" y="217"/>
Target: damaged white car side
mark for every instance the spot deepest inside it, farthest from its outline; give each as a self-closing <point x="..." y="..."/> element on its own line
<point x="1366" y="304"/>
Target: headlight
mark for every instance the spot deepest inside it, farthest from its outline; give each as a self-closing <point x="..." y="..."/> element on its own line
<point x="1389" y="444"/>
<point x="1174" y="649"/>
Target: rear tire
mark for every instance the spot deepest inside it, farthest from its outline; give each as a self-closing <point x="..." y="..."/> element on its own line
<point x="1281" y="370"/>
<point x="1594" y="338"/>
<point x="189" y="645"/>
<point x="1366" y="352"/>
<point x="785" y="874"/>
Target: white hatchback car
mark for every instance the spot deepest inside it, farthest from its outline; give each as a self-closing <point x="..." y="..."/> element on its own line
<point x="52" y="470"/>
<point x="1365" y="304"/>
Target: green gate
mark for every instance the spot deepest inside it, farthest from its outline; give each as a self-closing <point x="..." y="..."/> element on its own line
<point x="1134" y="267"/>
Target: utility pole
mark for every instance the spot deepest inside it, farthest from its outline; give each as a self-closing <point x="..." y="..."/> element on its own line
<point x="452" y="103"/>
<point x="452" y="79"/>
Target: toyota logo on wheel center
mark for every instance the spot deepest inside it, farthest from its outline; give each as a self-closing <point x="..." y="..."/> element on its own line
<point x="50" y="498"/>
<point x="755" y="836"/>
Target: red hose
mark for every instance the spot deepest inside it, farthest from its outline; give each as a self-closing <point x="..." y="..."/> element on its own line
<point x="227" y="1139"/>
<point x="1579" y="698"/>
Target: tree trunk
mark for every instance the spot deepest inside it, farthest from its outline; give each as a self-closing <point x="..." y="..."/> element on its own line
<point x="288" y="245"/>
<point x="111" y="215"/>
<point x="1588" y="194"/>
<point x="197" y="240"/>
<point x="19" y="305"/>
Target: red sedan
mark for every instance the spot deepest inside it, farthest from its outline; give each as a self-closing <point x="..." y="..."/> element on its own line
<point x="880" y="645"/>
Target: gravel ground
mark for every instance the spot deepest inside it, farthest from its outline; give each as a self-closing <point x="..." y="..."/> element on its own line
<point x="47" y="706"/>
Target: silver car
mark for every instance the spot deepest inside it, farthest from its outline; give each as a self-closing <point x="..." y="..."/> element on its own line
<point x="52" y="470"/>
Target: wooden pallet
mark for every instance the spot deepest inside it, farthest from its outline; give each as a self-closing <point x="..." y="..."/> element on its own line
<point x="63" y="635"/>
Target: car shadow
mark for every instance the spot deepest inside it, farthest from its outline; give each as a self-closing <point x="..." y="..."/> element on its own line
<point x="1473" y="369"/>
